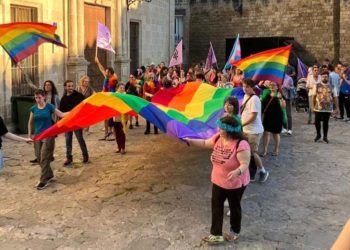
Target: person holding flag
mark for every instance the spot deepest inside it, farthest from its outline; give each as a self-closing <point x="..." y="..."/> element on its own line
<point x="110" y="78"/>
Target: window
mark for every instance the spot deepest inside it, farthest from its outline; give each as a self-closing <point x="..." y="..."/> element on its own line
<point x="30" y="64"/>
<point x="178" y="29"/>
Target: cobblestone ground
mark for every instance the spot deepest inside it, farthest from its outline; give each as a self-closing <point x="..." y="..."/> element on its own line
<point x="157" y="196"/>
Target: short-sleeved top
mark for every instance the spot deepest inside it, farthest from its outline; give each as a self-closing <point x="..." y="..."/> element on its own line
<point x="224" y="160"/>
<point x="324" y="97"/>
<point x="334" y="79"/>
<point x="3" y="130"/>
<point x="252" y="106"/>
<point x="311" y="82"/>
<point x="42" y="117"/>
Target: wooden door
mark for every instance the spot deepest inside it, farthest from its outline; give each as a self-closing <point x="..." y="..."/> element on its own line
<point x="92" y="15"/>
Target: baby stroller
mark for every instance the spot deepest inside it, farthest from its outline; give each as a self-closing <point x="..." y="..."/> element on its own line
<point x="301" y="99"/>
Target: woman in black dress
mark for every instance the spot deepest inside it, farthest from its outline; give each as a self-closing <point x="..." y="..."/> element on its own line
<point x="272" y="105"/>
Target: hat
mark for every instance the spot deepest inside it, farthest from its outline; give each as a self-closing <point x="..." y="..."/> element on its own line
<point x="152" y="63"/>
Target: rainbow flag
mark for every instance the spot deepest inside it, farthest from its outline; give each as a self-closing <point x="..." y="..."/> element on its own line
<point x="266" y="65"/>
<point x="22" y="39"/>
<point x="188" y="111"/>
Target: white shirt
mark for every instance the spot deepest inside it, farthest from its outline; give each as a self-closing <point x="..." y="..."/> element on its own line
<point x="252" y="106"/>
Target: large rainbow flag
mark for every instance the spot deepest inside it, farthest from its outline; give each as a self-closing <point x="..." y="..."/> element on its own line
<point x="22" y="39"/>
<point x="266" y="65"/>
<point x="188" y="111"/>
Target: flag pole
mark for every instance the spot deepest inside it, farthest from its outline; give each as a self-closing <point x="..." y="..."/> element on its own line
<point x="26" y="77"/>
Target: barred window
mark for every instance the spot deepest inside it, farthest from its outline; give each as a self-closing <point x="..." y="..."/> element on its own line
<point x="29" y="64"/>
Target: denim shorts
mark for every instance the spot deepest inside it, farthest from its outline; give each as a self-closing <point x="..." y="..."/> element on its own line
<point x="2" y="164"/>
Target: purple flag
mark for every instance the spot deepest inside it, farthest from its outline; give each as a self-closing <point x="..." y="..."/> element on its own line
<point x="211" y="58"/>
<point x="176" y="59"/>
<point x="104" y="38"/>
<point x="302" y="69"/>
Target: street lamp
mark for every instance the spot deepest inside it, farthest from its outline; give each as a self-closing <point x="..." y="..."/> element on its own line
<point x="130" y="2"/>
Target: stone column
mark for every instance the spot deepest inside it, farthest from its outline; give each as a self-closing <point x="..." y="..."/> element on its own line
<point x="5" y="68"/>
<point x="76" y="63"/>
<point x="122" y="60"/>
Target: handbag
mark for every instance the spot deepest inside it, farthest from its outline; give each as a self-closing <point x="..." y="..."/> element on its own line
<point x="262" y="115"/>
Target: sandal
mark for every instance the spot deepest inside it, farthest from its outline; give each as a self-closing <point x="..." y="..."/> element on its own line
<point x="231" y="236"/>
<point x="212" y="239"/>
<point x="106" y="136"/>
<point x="275" y="153"/>
<point x="263" y="154"/>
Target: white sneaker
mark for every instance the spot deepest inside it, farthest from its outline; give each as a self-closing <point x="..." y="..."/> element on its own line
<point x="284" y="131"/>
<point x="289" y="132"/>
<point x="226" y="203"/>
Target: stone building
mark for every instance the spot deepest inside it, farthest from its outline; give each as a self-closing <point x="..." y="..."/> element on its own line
<point x="317" y="29"/>
<point x="142" y="32"/>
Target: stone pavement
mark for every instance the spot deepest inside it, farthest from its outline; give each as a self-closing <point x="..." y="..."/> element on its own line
<point x="157" y="196"/>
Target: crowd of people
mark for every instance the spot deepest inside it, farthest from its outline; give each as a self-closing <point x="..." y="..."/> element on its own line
<point x="266" y="111"/>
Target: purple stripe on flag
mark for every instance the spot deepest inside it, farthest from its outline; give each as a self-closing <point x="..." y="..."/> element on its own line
<point x="302" y="69"/>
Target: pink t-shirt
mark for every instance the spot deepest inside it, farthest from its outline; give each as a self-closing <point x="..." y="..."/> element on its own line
<point x="224" y="160"/>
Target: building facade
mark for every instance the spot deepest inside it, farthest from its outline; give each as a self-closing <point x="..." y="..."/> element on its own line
<point x="317" y="29"/>
<point x="142" y="32"/>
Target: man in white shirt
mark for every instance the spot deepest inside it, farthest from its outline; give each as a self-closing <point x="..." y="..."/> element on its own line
<point x="252" y="124"/>
<point x="311" y="81"/>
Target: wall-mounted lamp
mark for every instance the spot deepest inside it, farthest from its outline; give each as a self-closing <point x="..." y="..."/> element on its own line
<point x="130" y="2"/>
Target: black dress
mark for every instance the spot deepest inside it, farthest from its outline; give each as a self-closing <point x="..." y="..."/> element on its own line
<point x="273" y="116"/>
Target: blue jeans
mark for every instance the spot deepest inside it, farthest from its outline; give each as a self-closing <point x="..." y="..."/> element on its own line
<point x="69" y="138"/>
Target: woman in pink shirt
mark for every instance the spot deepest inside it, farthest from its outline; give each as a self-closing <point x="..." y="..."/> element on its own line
<point x="230" y="176"/>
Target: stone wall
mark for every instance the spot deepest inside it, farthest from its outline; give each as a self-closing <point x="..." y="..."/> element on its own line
<point x="310" y="23"/>
<point x="58" y="64"/>
<point x="182" y="9"/>
<point x="156" y="29"/>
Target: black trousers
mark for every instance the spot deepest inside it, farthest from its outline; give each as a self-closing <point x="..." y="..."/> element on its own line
<point x="322" y="116"/>
<point x="219" y="196"/>
<point x="148" y="127"/>
<point x="344" y="102"/>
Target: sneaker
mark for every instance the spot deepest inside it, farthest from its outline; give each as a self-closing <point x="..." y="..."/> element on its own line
<point x="284" y="131"/>
<point x="317" y="138"/>
<point x="34" y="161"/>
<point x="346" y="119"/>
<point x="131" y="126"/>
<point x="137" y="124"/>
<point x="231" y="236"/>
<point x="42" y="185"/>
<point x="85" y="159"/>
<point x="289" y="132"/>
<point x="68" y="162"/>
<point x="325" y="140"/>
<point x="263" y="176"/>
<point x="147" y="132"/>
<point x="212" y="239"/>
<point x="50" y="180"/>
<point x="226" y="203"/>
<point x="339" y="118"/>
